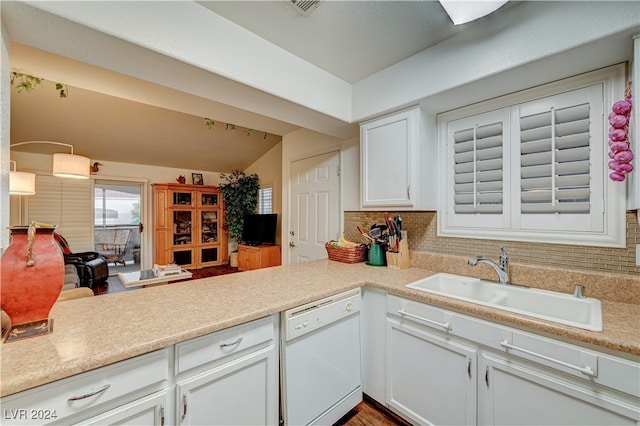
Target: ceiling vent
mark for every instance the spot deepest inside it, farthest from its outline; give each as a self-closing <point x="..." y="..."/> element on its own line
<point x="305" y="7"/>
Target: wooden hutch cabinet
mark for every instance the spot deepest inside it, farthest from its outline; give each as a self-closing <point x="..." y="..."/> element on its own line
<point x="188" y="225"/>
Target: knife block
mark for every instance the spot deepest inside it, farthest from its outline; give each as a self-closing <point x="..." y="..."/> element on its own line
<point x="399" y="260"/>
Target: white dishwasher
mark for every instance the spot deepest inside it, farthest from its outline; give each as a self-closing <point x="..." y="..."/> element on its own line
<point x="320" y="360"/>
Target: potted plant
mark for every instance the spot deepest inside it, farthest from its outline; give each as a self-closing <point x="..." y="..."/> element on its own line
<point x="240" y="193"/>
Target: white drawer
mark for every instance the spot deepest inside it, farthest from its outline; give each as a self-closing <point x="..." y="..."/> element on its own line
<point x="202" y="350"/>
<point x="94" y="391"/>
<point x="420" y="313"/>
<point x="613" y="372"/>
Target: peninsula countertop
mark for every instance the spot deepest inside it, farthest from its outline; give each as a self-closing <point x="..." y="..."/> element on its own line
<point x="93" y="332"/>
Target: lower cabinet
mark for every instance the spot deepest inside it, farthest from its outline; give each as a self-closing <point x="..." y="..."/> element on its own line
<point x="148" y="411"/>
<point x="128" y="392"/>
<point x="431" y="378"/>
<point x="448" y="368"/>
<point x="512" y="392"/>
<point x="229" y="377"/>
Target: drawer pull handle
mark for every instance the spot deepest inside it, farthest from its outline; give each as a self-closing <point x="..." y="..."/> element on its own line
<point x="89" y="395"/>
<point x="585" y="370"/>
<point x="226" y="346"/>
<point x="444" y="325"/>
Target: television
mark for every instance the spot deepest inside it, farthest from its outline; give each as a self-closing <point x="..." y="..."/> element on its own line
<point x="259" y="229"/>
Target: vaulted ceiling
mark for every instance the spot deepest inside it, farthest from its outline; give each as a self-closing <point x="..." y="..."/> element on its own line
<point x="116" y="117"/>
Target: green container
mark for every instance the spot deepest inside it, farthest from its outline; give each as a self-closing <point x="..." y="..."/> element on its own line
<point x="376" y="255"/>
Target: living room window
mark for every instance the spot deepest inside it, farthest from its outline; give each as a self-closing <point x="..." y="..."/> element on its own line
<point x="532" y="166"/>
<point x="265" y="200"/>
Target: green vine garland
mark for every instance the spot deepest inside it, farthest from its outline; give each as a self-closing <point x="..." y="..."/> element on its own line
<point x="26" y="83"/>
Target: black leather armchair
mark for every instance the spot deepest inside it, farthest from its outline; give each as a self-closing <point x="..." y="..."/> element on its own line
<point x="92" y="267"/>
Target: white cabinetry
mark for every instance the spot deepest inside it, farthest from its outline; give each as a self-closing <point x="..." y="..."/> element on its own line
<point x="148" y="411"/>
<point x="372" y="322"/>
<point x="513" y="392"/>
<point x="431" y="377"/>
<point x="106" y="395"/>
<point x="437" y="360"/>
<point x="395" y="165"/>
<point x="229" y="377"/>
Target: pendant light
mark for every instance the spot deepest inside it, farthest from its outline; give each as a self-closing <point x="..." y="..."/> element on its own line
<point x="65" y="165"/>
<point x="21" y="183"/>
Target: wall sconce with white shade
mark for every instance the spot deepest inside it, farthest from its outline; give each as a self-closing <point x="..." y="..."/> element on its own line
<point x="65" y="165"/>
<point x="21" y="183"/>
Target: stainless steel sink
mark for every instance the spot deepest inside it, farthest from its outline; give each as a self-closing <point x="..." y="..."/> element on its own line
<point x="562" y="308"/>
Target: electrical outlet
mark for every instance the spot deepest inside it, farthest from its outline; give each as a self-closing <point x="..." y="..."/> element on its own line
<point x="637" y="254"/>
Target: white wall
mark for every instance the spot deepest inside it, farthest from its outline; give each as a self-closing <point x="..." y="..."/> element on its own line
<point x="531" y="44"/>
<point x="5" y="101"/>
<point x="305" y="144"/>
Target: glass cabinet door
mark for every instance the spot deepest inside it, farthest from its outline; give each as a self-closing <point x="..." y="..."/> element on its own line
<point x="182" y="198"/>
<point x="208" y="200"/>
<point x="182" y="229"/>
<point x="208" y="226"/>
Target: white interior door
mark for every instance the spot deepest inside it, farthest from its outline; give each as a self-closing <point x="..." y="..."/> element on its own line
<point x="315" y="206"/>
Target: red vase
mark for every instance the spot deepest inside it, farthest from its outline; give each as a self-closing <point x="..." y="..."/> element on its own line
<point x="32" y="274"/>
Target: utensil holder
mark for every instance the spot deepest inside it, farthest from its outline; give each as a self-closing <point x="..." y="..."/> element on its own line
<point x="399" y="260"/>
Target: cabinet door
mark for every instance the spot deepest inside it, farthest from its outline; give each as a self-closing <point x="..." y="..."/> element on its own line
<point x="372" y="321"/>
<point x="147" y="411"/>
<point x="430" y="377"/>
<point x="388" y="160"/>
<point x="248" y="258"/>
<point x="241" y="392"/>
<point x="512" y="392"/>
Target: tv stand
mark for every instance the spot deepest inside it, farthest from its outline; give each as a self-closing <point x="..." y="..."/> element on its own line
<point x="257" y="257"/>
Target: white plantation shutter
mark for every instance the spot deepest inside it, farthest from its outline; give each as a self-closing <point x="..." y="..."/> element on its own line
<point x="554" y="161"/>
<point x="265" y="200"/>
<point x="476" y="182"/>
<point x="478" y="169"/>
<point x="67" y="203"/>
<point x="560" y="141"/>
<point x="532" y="166"/>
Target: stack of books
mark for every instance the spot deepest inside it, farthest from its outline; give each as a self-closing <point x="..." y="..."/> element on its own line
<point x="164" y="270"/>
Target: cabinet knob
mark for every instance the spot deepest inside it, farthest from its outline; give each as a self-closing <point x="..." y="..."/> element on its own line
<point x="292" y="244"/>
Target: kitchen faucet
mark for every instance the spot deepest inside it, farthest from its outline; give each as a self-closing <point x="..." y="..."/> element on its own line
<point x="502" y="269"/>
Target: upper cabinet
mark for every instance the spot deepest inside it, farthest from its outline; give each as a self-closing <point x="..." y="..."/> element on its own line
<point x="396" y="164"/>
<point x="532" y="166"/>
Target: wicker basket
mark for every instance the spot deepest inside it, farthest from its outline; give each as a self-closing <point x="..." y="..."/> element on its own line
<point x="346" y="254"/>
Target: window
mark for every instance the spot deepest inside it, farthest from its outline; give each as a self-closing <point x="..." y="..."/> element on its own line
<point x="116" y="204"/>
<point x="532" y="166"/>
<point x="265" y="200"/>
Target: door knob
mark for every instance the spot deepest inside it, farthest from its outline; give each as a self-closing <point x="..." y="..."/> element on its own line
<point x="292" y="244"/>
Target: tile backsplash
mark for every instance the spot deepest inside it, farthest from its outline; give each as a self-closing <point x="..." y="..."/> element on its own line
<point x="422" y="236"/>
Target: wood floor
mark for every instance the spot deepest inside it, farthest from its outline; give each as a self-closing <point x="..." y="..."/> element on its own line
<point x="370" y="413"/>
<point x="367" y="413"/>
